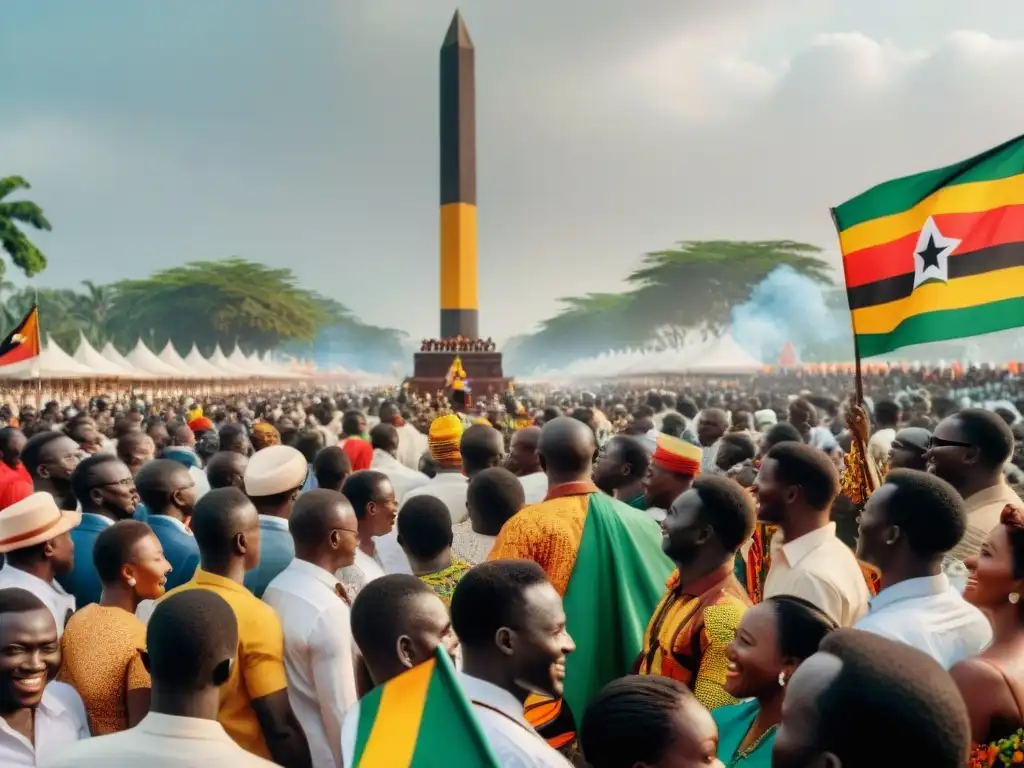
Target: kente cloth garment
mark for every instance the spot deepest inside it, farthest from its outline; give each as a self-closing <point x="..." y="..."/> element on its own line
<point x="444" y="438"/>
<point x="443" y="582"/>
<point x="605" y="559"/>
<point x="689" y="631"/>
<point x="752" y="564"/>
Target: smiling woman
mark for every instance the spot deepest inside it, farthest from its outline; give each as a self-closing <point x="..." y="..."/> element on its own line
<point x="772" y="640"/>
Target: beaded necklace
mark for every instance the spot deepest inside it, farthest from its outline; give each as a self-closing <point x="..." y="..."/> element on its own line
<point x="745" y="753"/>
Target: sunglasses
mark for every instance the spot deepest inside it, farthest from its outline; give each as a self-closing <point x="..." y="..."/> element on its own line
<point x="938" y="442"/>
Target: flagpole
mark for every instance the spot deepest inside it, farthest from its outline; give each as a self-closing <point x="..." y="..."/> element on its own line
<point x="858" y="380"/>
<point x="39" y="346"/>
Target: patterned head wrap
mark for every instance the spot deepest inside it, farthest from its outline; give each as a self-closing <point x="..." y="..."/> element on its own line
<point x="677" y="455"/>
<point x="264" y="435"/>
<point x="444" y="438"/>
<point x="200" y="424"/>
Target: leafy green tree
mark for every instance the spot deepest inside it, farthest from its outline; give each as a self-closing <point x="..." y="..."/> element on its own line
<point x="690" y="287"/>
<point x="92" y="309"/>
<point x="696" y="284"/>
<point x="14" y="214"/>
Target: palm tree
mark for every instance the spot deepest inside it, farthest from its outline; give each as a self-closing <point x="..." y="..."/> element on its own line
<point x="19" y="248"/>
<point x="92" y="309"/>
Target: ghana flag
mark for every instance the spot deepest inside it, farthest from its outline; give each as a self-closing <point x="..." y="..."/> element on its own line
<point x="420" y="719"/>
<point x="938" y="255"/>
<point x="23" y="342"/>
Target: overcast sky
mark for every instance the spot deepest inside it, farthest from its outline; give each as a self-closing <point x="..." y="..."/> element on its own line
<point x="304" y="134"/>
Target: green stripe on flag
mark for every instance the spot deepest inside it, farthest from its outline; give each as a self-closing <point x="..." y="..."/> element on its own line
<point x="901" y="194"/>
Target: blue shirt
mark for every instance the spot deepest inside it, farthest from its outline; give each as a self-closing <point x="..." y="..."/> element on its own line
<point x="930" y="615"/>
<point x="179" y="547"/>
<point x="82" y="581"/>
<point x="276" y="550"/>
<point x="734" y="721"/>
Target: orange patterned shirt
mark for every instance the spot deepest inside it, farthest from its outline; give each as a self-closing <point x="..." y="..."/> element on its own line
<point x="548" y="533"/>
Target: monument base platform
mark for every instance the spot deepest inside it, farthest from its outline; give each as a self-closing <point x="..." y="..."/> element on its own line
<point x="483" y="369"/>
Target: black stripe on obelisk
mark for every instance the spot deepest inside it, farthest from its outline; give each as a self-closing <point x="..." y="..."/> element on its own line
<point x="459" y="322"/>
<point x="458" y="116"/>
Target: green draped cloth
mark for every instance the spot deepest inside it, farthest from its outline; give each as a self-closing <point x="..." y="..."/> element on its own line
<point x="617" y="581"/>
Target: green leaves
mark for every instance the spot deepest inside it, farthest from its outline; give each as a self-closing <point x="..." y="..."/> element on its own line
<point x="692" y="285"/>
<point x="15" y="214"/>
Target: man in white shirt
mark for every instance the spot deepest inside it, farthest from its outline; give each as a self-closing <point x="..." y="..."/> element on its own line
<point x="314" y="611"/>
<point x="511" y="629"/>
<point x="384" y="439"/>
<point x="795" y="488"/>
<point x="906" y="528"/>
<point x="192" y="641"/>
<point x="373" y="498"/>
<point x="411" y="443"/>
<point x="36" y="540"/>
<point x="37" y="720"/>
<point x="524" y="461"/>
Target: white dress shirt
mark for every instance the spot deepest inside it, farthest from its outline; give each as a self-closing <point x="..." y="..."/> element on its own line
<point x="513" y="740"/>
<point x="60" y="722"/>
<point x="411" y="445"/>
<point x="930" y="615"/>
<point x="449" y="487"/>
<point x="535" y="487"/>
<point x="159" y="741"/>
<point x="822" y="570"/>
<point x="356" y="576"/>
<point x="402" y="478"/>
<point x="317" y="654"/>
<point x="60" y="603"/>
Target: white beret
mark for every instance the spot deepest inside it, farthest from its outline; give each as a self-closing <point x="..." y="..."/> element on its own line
<point x="275" y="469"/>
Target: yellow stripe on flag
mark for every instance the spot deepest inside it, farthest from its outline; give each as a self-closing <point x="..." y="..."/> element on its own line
<point x="931" y="297"/>
<point x="959" y="198"/>
<point x="396" y="728"/>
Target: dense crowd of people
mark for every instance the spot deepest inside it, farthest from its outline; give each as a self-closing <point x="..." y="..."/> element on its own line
<point x="754" y="572"/>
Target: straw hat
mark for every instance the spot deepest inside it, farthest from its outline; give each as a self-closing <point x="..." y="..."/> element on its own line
<point x="32" y="521"/>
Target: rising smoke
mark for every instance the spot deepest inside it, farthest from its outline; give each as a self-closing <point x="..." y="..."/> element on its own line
<point x="789" y="307"/>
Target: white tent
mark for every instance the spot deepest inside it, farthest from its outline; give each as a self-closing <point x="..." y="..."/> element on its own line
<point x="203" y="367"/>
<point x="143" y="358"/>
<point x="238" y="359"/>
<point x="271" y="369"/>
<point x="110" y="353"/>
<point x="219" y="360"/>
<point x="724" y="356"/>
<point x="87" y="355"/>
<point x="52" y="363"/>
<point x="170" y="356"/>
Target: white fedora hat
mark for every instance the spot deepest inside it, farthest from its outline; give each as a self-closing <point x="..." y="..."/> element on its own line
<point x="32" y="521"/>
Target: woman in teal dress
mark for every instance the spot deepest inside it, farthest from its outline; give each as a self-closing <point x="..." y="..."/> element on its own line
<point x="772" y="640"/>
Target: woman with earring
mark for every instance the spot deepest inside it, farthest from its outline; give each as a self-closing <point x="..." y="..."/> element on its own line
<point x="103" y="643"/>
<point x="772" y="640"/>
<point x="992" y="683"/>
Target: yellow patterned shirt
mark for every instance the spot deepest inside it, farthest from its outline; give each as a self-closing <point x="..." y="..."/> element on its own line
<point x="689" y="631"/>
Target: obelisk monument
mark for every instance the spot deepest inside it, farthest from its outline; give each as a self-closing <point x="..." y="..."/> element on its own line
<point x="459" y="301"/>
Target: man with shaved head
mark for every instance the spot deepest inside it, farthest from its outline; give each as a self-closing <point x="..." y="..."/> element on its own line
<point x="254" y="705"/>
<point x="602" y="556"/>
<point x="226" y="469"/>
<point x="314" y="610"/>
<point x="524" y="462"/>
<point x="169" y="493"/>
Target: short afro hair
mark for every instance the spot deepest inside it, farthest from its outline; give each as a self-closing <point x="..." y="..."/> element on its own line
<point x="988" y="433"/>
<point x="783" y="432"/>
<point x="927" y="509"/>
<point x="188" y="635"/>
<point x="425" y="526"/>
<point x="490" y="596"/>
<point x="84" y="478"/>
<point x="800" y="625"/>
<point x="17" y="600"/>
<point x="917" y="710"/>
<point x="381" y="611"/>
<point x="32" y="453"/>
<point x="805" y="466"/>
<point x="331" y="467"/>
<point x="495" y="495"/>
<point x="113" y="548"/>
<point x="727" y="507"/>
<point x="632" y="721"/>
<point x="633" y="453"/>
<point x="360" y="487"/>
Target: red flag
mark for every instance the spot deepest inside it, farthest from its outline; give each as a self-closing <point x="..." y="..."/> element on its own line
<point x="23" y="342"/>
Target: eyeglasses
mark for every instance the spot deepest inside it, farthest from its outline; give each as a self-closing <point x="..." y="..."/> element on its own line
<point x="938" y="442"/>
<point x="127" y="482"/>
